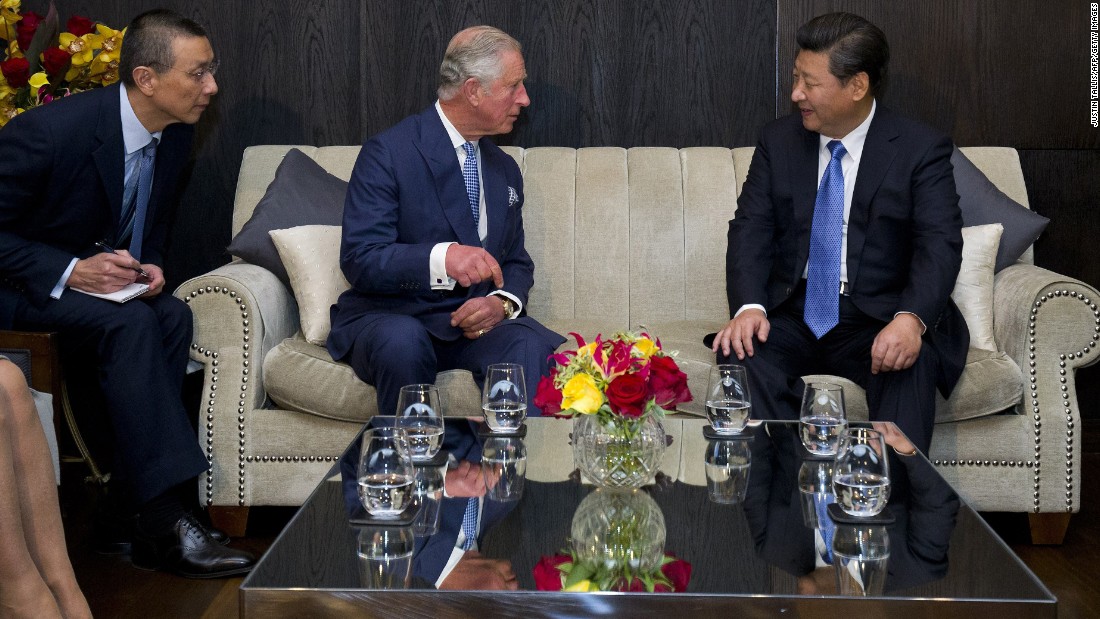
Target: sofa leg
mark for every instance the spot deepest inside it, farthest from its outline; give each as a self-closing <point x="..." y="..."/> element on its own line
<point x="1048" y="529"/>
<point x="232" y="520"/>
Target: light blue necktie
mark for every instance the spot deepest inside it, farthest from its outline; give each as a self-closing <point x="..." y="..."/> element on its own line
<point x="825" y="524"/>
<point x="473" y="187"/>
<point x="822" y="311"/>
<point x="469" y="524"/>
<point x="132" y="222"/>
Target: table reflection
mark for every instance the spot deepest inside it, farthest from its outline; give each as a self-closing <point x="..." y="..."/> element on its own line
<point x="430" y="535"/>
<point x="786" y="508"/>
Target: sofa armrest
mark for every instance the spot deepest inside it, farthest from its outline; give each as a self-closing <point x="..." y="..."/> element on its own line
<point x="1049" y="324"/>
<point x="243" y="311"/>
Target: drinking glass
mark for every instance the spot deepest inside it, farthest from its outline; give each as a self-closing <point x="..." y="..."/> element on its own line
<point x="504" y="468"/>
<point x="727" y="465"/>
<point x="822" y="418"/>
<point x="728" y="402"/>
<point x="428" y="498"/>
<point x="504" y="397"/>
<point x="861" y="475"/>
<point x="385" y="472"/>
<point x="860" y="558"/>
<point x="815" y="485"/>
<point x="420" y="414"/>
<point x="385" y="557"/>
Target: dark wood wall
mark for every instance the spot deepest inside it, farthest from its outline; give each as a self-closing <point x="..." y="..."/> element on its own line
<point x="642" y="73"/>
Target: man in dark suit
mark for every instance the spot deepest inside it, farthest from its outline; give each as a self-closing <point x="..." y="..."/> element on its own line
<point x="847" y="242"/>
<point x="102" y="167"/>
<point x="433" y="242"/>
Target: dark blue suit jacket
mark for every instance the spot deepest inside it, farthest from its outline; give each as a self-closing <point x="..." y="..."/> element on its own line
<point x="406" y="195"/>
<point x="61" y="187"/>
<point x="904" y="228"/>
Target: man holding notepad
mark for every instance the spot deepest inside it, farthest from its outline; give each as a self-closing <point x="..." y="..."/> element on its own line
<point x="85" y="190"/>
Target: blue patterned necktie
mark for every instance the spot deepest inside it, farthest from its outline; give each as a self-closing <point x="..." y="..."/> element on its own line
<point x="822" y="311"/>
<point x="825" y="524"/>
<point x="136" y="192"/>
<point x="469" y="524"/>
<point x="473" y="188"/>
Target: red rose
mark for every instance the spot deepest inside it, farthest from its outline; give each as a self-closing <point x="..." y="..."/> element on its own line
<point x="667" y="384"/>
<point x="546" y="572"/>
<point x="17" y="71"/>
<point x="627" y="395"/>
<point x="79" y="26"/>
<point x="25" y="29"/>
<point x="55" y="60"/>
<point x="547" y="397"/>
<point x="679" y="573"/>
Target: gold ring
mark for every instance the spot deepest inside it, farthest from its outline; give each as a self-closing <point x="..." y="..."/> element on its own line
<point x="480" y="332"/>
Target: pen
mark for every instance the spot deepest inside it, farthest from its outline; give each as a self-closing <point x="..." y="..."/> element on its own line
<point x="107" y="248"/>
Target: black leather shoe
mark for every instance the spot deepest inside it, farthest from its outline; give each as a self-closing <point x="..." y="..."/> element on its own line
<point x="114" y="537"/>
<point x="189" y="551"/>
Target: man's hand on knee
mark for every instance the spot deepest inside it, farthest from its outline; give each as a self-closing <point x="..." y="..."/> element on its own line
<point x="477" y="316"/>
<point x="897" y="346"/>
<point x="737" y="336"/>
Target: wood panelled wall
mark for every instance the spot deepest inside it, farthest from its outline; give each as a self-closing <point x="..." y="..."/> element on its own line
<point x="650" y="73"/>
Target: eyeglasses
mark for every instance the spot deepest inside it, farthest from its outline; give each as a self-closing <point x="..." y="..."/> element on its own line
<point x="198" y="75"/>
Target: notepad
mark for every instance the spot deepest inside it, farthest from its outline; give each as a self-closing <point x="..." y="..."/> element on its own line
<point x="121" y="295"/>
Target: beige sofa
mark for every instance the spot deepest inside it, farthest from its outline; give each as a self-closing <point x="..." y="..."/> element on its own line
<point x="622" y="238"/>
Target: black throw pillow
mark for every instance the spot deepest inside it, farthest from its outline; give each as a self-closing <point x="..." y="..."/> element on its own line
<point x="303" y="193"/>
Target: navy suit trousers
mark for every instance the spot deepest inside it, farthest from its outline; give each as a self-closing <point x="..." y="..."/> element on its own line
<point x="141" y="350"/>
<point x="906" y="397"/>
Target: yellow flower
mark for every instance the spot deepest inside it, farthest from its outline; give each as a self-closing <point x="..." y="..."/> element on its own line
<point x="7" y="112"/>
<point x="9" y="14"/>
<point x="646" y="346"/>
<point x="82" y="49"/>
<point x="581" y="395"/>
<point x="38" y="80"/>
<point x="13" y="49"/>
<point x="587" y="350"/>
<point x="582" y="586"/>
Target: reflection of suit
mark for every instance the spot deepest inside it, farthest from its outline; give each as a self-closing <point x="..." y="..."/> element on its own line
<point x="432" y="552"/>
<point x="60" y="192"/>
<point x="903" y="254"/>
<point x="405" y="196"/>
<point x="922" y="504"/>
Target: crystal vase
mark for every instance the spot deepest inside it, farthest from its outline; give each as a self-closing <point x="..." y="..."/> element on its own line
<point x="618" y="453"/>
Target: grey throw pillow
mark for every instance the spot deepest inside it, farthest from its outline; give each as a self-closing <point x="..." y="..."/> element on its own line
<point x="303" y="193"/>
<point x="982" y="203"/>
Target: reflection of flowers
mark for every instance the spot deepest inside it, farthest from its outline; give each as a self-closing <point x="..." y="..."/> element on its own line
<point x="617" y="541"/>
<point x="563" y="573"/>
<point x="625" y="376"/>
<point x="41" y="65"/>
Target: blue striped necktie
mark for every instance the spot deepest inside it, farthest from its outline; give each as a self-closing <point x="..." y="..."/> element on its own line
<point x="138" y="187"/>
<point x="822" y="310"/>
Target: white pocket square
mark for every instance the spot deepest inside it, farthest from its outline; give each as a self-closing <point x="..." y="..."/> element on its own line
<point x="513" y="197"/>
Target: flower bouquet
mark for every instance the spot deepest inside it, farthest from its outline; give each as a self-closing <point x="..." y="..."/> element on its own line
<point x="617" y="389"/>
<point x="40" y="64"/>
<point x="626" y="376"/>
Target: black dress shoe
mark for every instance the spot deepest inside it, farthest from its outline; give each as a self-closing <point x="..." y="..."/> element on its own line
<point x="114" y="537"/>
<point x="189" y="551"/>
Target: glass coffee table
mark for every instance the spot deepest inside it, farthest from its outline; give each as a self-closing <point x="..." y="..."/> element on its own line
<point x="763" y="555"/>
